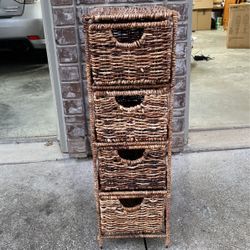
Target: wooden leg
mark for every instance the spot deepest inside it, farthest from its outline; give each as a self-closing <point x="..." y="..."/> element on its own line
<point x="100" y="241"/>
<point x="167" y="218"/>
<point x="167" y="244"/>
<point x="167" y="241"/>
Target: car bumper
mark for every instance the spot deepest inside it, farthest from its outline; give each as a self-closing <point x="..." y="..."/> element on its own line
<point x="38" y="44"/>
<point x="20" y="28"/>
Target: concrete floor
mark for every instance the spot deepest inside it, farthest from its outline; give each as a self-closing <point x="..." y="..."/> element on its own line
<point x="220" y="88"/>
<point x="48" y="203"/>
<point x="26" y="105"/>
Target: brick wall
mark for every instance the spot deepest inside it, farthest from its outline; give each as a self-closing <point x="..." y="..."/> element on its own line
<point x="69" y="40"/>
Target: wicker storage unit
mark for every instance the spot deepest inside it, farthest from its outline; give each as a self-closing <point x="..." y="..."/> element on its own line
<point x="131" y="71"/>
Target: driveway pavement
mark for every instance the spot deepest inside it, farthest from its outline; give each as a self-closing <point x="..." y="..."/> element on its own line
<point x="48" y="202"/>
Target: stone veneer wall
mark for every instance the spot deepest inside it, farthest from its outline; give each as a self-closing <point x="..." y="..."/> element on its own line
<point x="69" y="40"/>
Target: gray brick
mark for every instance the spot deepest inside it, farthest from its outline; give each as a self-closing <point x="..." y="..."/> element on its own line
<point x="74" y="119"/>
<point x="65" y="36"/>
<point x="179" y="112"/>
<point x="64" y="16"/>
<point x="61" y="2"/>
<point x="182" y="32"/>
<point x="181" y="67"/>
<point x="181" y="49"/>
<point x="75" y="131"/>
<point x="178" y="124"/>
<point x="77" y="146"/>
<point x="71" y="91"/>
<point x="178" y="142"/>
<point x="90" y="1"/>
<point x="69" y="73"/>
<point x="67" y="54"/>
<point x="180" y="84"/>
<point x="114" y="1"/>
<point x="179" y="100"/>
<point x="73" y="107"/>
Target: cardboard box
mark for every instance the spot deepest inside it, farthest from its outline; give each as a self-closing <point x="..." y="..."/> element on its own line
<point x="201" y="19"/>
<point x="204" y="19"/>
<point x="217" y="1"/>
<point x="226" y="12"/>
<point x="202" y="4"/>
<point x="238" y="34"/>
<point x="194" y="20"/>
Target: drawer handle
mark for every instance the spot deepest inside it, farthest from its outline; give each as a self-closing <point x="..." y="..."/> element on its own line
<point x="128" y="101"/>
<point x="129" y="37"/>
<point x="131" y="204"/>
<point x="131" y="154"/>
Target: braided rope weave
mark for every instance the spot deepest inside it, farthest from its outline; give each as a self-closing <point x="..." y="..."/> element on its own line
<point x="148" y="172"/>
<point x="144" y="122"/>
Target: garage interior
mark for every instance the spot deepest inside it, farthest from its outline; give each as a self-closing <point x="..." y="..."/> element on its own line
<point x="219" y="88"/>
<point x="27" y="107"/>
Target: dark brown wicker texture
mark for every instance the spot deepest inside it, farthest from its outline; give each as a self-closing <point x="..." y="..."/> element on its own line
<point x="140" y="54"/>
<point x="131" y="73"/>
<point x="131" y="116"/>
<point x="132" y="168"/>
<point x="140" y="214"/>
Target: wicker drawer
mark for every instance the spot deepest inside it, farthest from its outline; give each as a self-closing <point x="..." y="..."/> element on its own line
<point x="138" y="213"/>
<point x="125" y="54"/>
<point x="131" y="116"/>
<point x="132" y="168"/>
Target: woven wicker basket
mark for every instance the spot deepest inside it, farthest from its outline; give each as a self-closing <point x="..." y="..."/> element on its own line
<point x="139" y="213"/>
<point x="145" y="57"/>
<point x="131" y="116"/>
<point x="132" y="168"/>
<point x="128" y="50"/>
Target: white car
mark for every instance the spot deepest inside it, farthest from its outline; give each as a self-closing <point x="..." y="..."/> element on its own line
<point x="21" y="25"/>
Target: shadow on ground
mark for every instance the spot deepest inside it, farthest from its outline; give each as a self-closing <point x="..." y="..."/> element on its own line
<point x="9" y="57"/>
